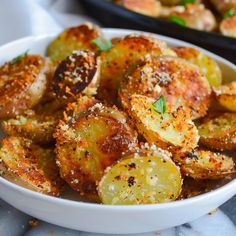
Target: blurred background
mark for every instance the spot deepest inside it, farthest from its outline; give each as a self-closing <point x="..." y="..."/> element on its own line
<point x="208" y="23"/>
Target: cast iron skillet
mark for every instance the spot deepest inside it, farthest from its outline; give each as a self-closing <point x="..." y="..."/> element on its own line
<point x="112" y="15"/>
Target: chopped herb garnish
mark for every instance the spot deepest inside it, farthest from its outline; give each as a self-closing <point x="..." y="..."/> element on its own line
<point x="160" y="105"/>
<point x="185" y="2"/>
<point x="19" y="58"/>
<point x="177" y="20"/>
<point x="229" y="13"/>
<point x="102" y="43"/>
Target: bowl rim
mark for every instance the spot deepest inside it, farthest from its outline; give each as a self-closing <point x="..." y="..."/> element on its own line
<point x="230" y="187"/>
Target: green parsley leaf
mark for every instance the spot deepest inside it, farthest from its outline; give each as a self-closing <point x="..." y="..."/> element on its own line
<point x="229" y="13"/>
<point x="102" y="43"/>
<point x="185" y="2"/>
<point x="160" y="105"/>
<point x="177" y="20"/>
<point x="20" y="57"/>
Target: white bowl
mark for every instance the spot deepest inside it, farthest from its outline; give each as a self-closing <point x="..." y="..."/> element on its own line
<point x="104" y="218"/>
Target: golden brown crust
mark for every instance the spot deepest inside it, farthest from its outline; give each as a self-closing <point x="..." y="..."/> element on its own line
<point x="78" y="73"/>
<point x="180" y="82"/>
<point x="226" y="96"/>
<point x="34" y="167"/>
<point x="74" y="38"/>
<point x="22" y="85"/>
<point x="82" y="104"/>
<point x="92" y="142"/>
<point x="122" y="57"/>
<point x="207" y="65"/>
<point x="172" y="130"/>
<point x="202" y="164"/>
<point x="219" y="132"/>
<point x="38" y="128"/>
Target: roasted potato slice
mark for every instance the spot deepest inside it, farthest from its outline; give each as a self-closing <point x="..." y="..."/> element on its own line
<point x="226" y="96"/>
<point x="38" y="128"/>
<point x="179" y="81"/>
<point x="78" y="73"/>
<point x="121" y="57"/>
<point x="208" y="66"/>
<point x="202" y="164"/>
<point x="195" y="16"/>
<point x="87" y="145"/>
<point x="75" y="38"/>
<point x="82" y="104"/>
<point x="30" y="165"/>
<point x="146" y="7"/>
<point x="170" y="130"/>
<point x="22" y="84"/>
<point x="146" y="177"/>
<point x="219" y="133"/>
<point x="228" y="26"/>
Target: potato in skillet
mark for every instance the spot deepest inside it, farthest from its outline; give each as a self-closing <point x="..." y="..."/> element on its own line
<point x="202" y="164"/>
<point x="228" y="26"/>
<point x="208" y="66"/>
<point x="145" y="177"/>
<point x="226" y="96"/>
<point x="146" y="7"/>
<point x="171" y="130"/>
<point x="218" y="132"/>
<point x="74" y="38"/>
<point x="22" y="84"/>
<point x="85" y="146"/>
<point x="78" y="73"/>
<point x="195" y="16"/>
<point x="180" y="82"/>
<point x="27" y="164"/>
<point x="124" y="55"/>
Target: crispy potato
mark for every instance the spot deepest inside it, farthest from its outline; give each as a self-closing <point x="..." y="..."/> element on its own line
<point x="228" y="26"/>
<point x="87" y="145"/>
<point x="124" y="55"/>
<point x="195" y="16"/>
<point x="226" y="96"/>
<point x="146" y="7"/>
<point x="222" y="6"/>
<point x="78" y="73"/>
<point x="219" y="133"/>
<point x="82" y="104"/>
<point x="29" y="165"/>
<point x="146" y="177"/>
<point x="38" y="128"/>
<point x="179" y="81"/>
<point x="170" y="130"/>
<point x="22" y="84"/>
<point x="75" y="38"/>
<point x="202" y="164"/>
<point x="207" y="65"/>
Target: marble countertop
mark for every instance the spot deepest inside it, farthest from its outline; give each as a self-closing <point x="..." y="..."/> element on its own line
<point x="221" y="222"/>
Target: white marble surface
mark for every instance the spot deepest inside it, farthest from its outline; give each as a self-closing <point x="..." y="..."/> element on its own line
<point x="15" y="223"/>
